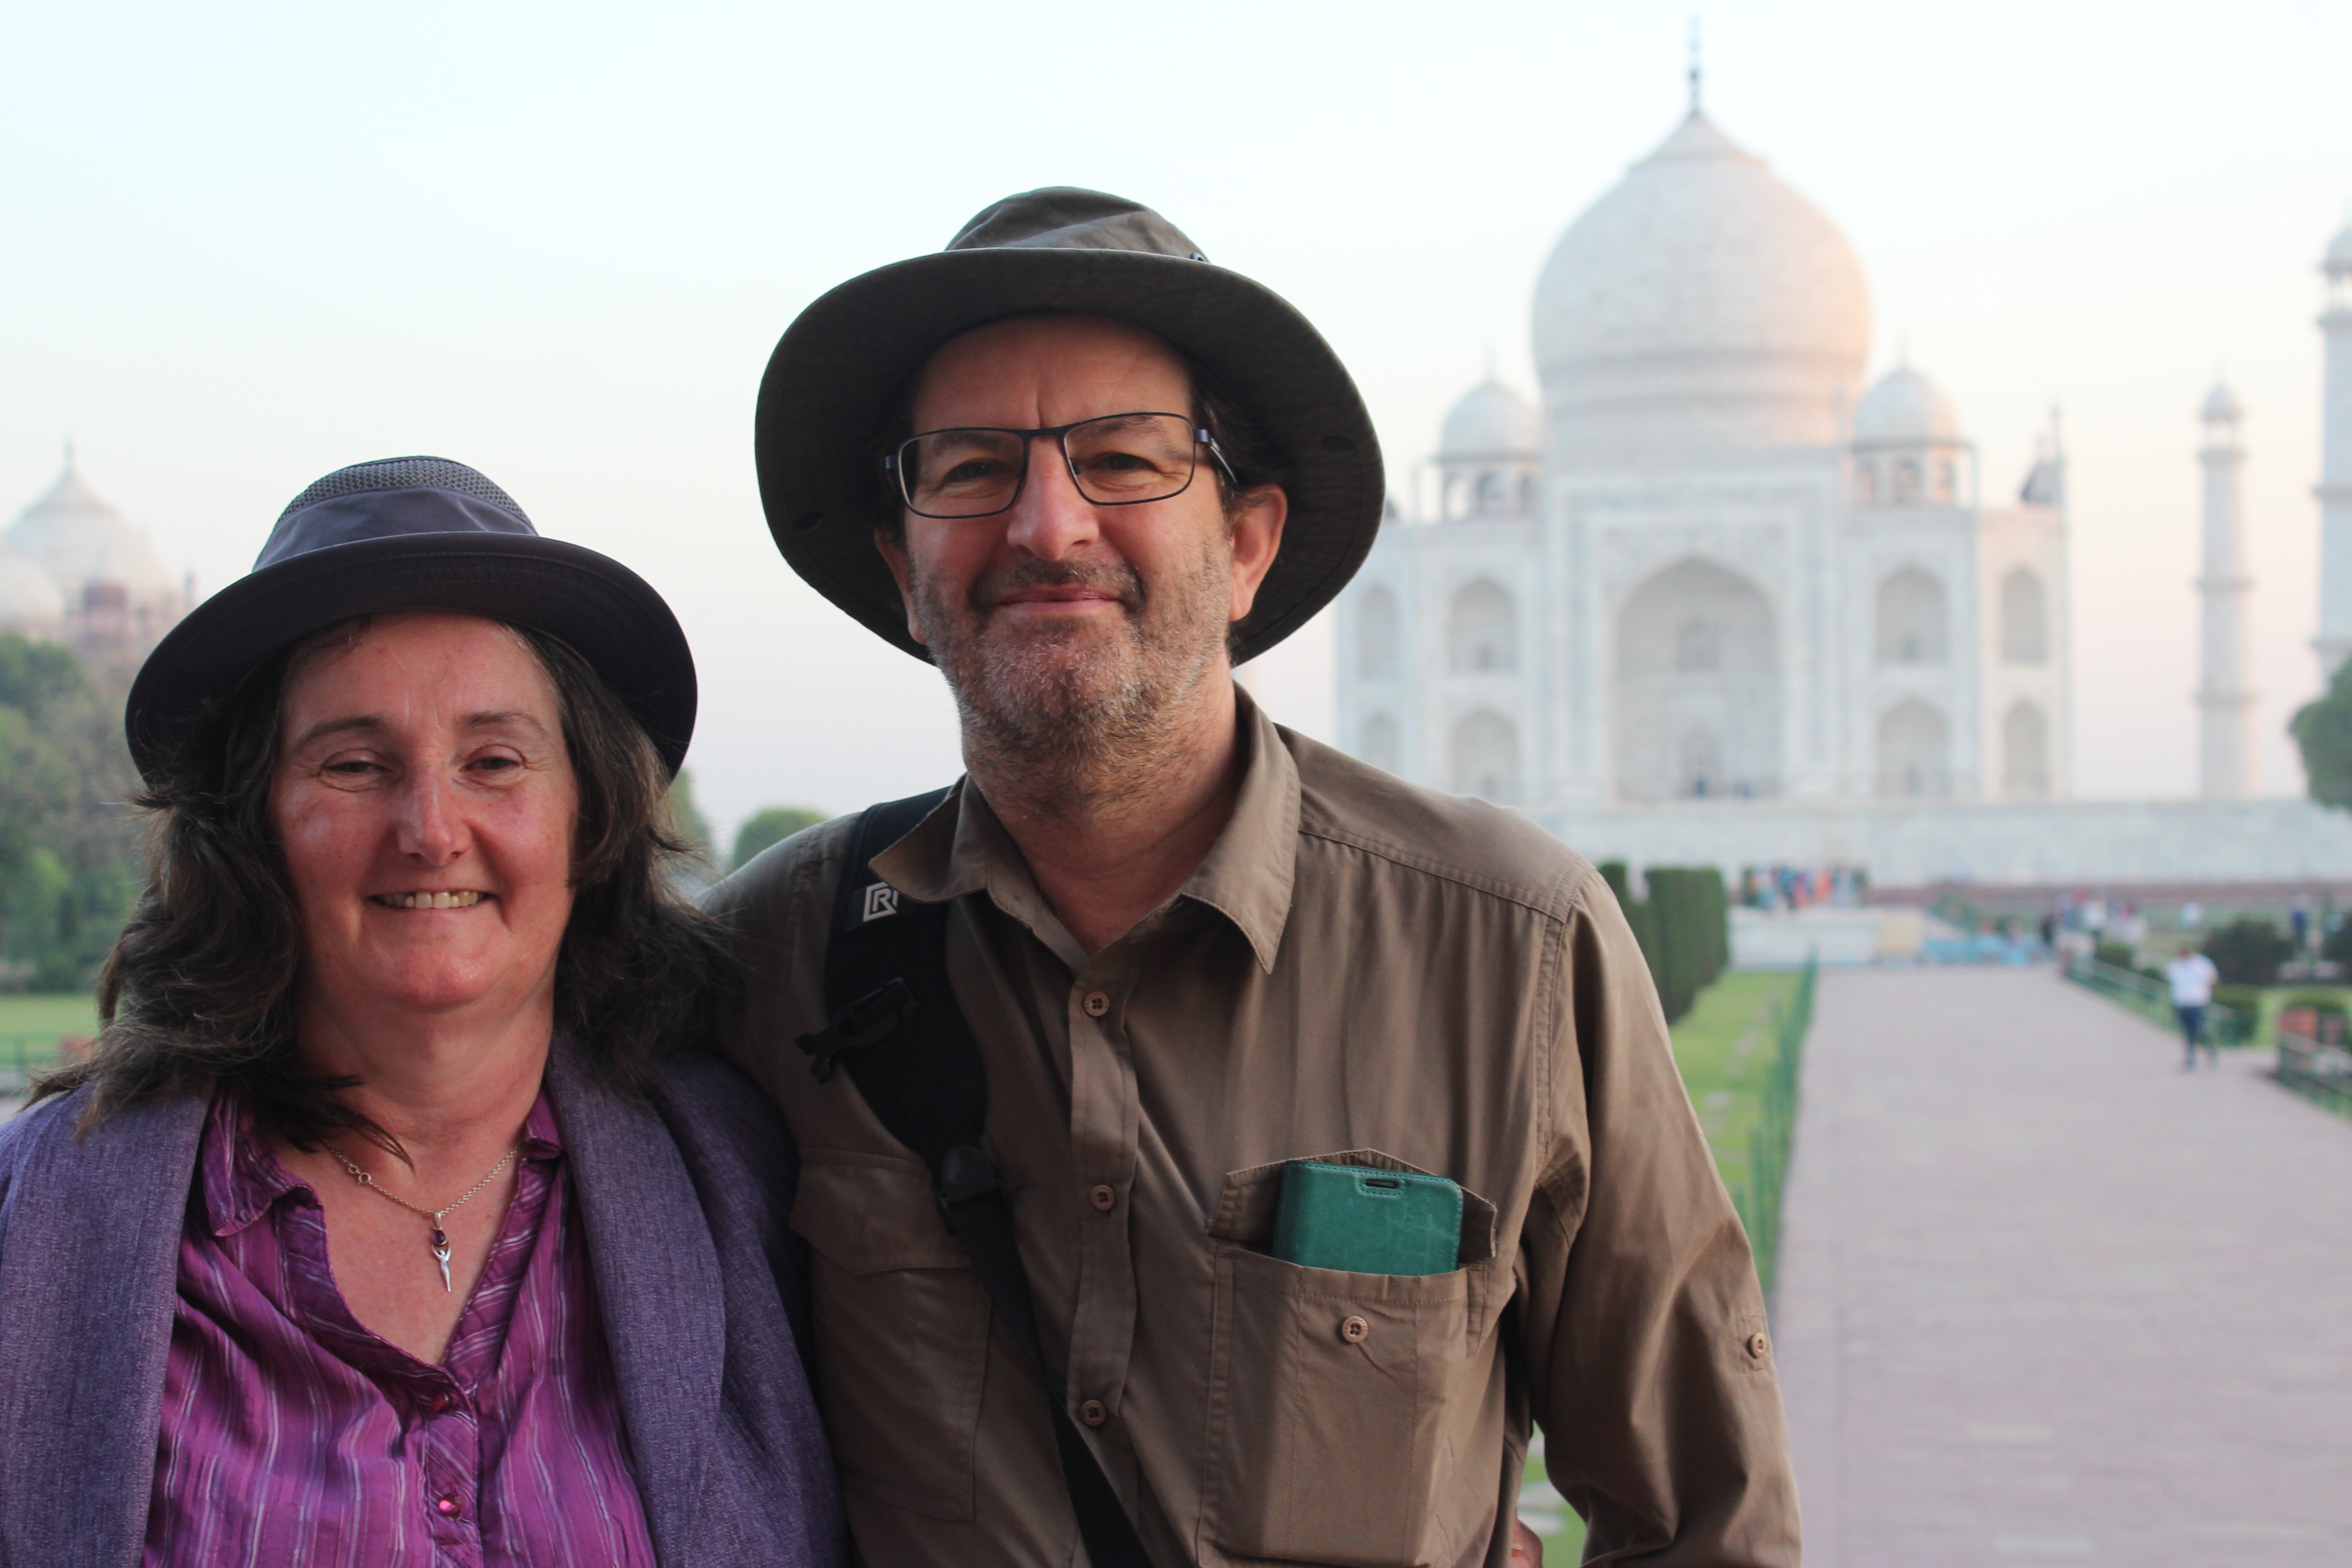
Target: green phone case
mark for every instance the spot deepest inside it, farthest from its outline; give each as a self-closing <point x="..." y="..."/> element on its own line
<point x="1367" y="1221"/>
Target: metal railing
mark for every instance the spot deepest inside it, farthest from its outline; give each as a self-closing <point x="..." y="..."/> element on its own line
<point x="1757" y="1195"/>
<point x="2318" y="1072"/>
<point x="2152" y="1000"/>
<point x="24" y="1058"/>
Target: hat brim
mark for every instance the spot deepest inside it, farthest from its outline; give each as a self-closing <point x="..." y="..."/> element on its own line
<point x="829" y="383"/>
<point x="607" y="613"/>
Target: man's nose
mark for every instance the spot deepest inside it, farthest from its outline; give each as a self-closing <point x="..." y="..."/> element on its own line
<point x="1051" y="518"/>
<point x="432" y="829"/>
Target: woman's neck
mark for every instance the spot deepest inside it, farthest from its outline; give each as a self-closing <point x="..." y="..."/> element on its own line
<point x="445" y="1086"/>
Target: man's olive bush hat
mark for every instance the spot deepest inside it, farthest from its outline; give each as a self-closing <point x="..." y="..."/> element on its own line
<point x="417" y="533"/>
<point x="833" y="379"/>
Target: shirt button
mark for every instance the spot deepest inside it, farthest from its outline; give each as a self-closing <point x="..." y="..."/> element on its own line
<point x="445" y="1506"/>
<point x="434" y="1404"/>
<point x="1757" y="1346"/>
<point x="1093" y="1413"/>
<point x="1097" y="1004"/>
<point x="1355" y="1331"/>
<point x="1103" y="1199"/>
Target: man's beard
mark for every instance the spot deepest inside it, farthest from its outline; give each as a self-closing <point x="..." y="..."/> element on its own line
<point x="1070" y="713"/>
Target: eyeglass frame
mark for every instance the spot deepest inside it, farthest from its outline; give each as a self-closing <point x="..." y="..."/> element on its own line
<point x="1201" y="436"/>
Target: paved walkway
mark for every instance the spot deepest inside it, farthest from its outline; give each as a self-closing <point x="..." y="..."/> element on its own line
<point x="2046" y="1299"/>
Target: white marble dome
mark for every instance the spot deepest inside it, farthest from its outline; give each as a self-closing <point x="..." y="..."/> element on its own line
<point x="29" y="600"/>
<point x="1903" y="408"/>
<point x="78" y="539"/>
<point x="2220" y="404"/>
<point x="1701" y="302"/>
<point x="1490" y="419"/>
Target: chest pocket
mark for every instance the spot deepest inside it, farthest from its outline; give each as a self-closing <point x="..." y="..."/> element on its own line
<point x="901" y="1331"/>
<point x="1355" y="1419"/>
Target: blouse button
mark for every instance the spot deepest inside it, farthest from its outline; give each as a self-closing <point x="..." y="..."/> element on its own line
<point x="1097" y="1004"/>
<point x="1103" y="1199"/>
<point x="1093" y="1413"/>
<point x="447" y="1506"/>
<point x="436" y="1404"/>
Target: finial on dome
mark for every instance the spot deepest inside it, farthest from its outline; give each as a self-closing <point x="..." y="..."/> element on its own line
<point x="1694" y="63"/>
<point x="69" y="454"/>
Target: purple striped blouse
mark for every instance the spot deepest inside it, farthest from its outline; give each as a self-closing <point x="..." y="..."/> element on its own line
<point x="294" y="1436"/>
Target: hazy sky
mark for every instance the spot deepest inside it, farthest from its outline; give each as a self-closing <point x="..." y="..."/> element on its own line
<point x="249" y="244"/>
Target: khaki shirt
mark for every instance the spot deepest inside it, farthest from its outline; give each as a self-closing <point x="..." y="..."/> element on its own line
<point x="1360" y="968"/>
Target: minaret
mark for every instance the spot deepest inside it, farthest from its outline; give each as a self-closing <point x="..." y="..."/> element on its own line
<point x="2225" y="704"/>
<point x="2334" y="490"/>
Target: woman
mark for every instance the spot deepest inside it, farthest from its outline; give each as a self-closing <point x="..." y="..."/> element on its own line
<point x="388" y="1223"/>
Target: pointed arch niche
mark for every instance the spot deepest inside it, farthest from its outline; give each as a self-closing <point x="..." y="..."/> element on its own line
<point x="1376" y="636"/>
<point x="1915" y="752"/>
<point x="2024" y="752"/>
<point x="1482" y="629"/>
<point x="1911" y="618"/>
<point x="1697" y="698"/>
<point x="2024" y="618"/>
<point x="1484" y="755"/>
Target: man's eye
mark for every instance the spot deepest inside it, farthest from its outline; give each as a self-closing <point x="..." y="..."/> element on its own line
<point x="975" y="471"/>
<point x="353" y="768"/>
<point x="1117" y="462"/>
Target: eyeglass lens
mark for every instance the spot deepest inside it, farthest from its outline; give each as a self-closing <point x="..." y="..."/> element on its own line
<point x="1115" y="461"/>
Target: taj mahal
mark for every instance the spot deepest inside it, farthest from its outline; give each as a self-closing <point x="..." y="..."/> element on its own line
<point x="1716" y="602"/>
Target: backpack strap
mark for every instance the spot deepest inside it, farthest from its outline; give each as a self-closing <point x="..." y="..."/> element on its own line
<point x="899" y="1033"/>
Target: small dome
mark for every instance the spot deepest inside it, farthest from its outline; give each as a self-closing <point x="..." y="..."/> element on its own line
<point x="1905" y="407"/>
<point x="2339" y="252"/>
<point x="78" y="539"/>
<point x="1489" y="419"/>
<point x="29" y="600"/>
<point x="2220" y="404"/>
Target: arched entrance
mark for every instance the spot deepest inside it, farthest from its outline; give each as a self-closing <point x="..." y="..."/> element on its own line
<point x="1697" y="693"/>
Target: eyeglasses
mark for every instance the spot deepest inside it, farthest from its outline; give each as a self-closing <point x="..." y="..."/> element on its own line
<point x="1119" y="459"/>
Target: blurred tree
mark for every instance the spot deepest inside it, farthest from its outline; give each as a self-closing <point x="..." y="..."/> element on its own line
<point x="69" y="859"/>
<point x="2248" y="950"/>
<point x="2323" y="728"/>
<point x="686" y="818"/>
<point x="772" y="825"/>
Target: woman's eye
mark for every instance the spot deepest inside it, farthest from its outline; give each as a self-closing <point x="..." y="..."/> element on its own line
<point x="354" y="767"/>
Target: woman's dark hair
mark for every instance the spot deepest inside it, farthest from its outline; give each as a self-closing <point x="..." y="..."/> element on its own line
<point x="200" y="988"/>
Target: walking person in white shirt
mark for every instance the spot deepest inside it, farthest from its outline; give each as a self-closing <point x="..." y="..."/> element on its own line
<point x="2193" y="977"/>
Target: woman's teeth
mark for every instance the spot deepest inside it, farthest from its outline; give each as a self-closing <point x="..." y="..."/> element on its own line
<point x="431" y="900"/>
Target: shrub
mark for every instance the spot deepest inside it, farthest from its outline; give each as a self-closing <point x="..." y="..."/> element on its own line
<point x="2248" y="950"/>
<point x="2117" y="955"/>
<point x="1684" y="928"/>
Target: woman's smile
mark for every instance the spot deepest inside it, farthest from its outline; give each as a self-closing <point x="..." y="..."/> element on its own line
<point x="442" y="900"/>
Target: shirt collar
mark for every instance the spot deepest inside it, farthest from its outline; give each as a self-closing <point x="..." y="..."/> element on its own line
<point x="239" y="1176"/>
<point x="1247" y="876"/>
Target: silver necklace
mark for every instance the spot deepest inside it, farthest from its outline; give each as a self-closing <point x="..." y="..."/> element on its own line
<point x="440" y="1242"/>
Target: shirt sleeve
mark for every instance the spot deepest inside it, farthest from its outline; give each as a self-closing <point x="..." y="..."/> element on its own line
<point x="1643" y="1325"/>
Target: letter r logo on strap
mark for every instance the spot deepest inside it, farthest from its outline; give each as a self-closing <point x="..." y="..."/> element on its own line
<point x="881" y="899"/>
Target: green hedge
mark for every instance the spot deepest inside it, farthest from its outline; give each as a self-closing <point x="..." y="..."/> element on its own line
<point x="1684" y="928"/>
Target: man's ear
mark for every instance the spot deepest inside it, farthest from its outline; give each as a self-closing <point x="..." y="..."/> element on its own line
<point x="1256" y="535"/>
<point x="893" y="546"/>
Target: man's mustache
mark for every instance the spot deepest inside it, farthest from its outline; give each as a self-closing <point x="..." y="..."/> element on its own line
<point x="1113" y="580"/>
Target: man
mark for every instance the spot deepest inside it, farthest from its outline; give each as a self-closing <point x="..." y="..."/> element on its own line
<point x="1085" y="470"/>
<point x="2192" y="978"/>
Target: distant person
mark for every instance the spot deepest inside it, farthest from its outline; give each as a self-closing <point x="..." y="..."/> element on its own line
<point x="2298" y="920"/>
<point x="2192" y="915"/>
<point x="396" y="1217"/>
<point x="2192" y="978"/>
<point x="1154" y="955"/>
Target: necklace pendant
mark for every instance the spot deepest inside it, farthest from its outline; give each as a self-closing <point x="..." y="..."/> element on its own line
<point x="441" y="1256"/>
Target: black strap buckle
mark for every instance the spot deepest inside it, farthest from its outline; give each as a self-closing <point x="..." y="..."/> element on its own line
<point x="865" y="1022"/>
<point x="964" y="1173"/>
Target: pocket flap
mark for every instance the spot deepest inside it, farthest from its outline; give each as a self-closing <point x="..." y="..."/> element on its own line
<point x="868" y="1213"/>
<point x="1246" y="1209"/>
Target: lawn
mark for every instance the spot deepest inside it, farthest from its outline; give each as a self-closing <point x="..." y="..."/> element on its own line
<point x="55" y="1014"/>
<point x="1726" y="1045"/>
